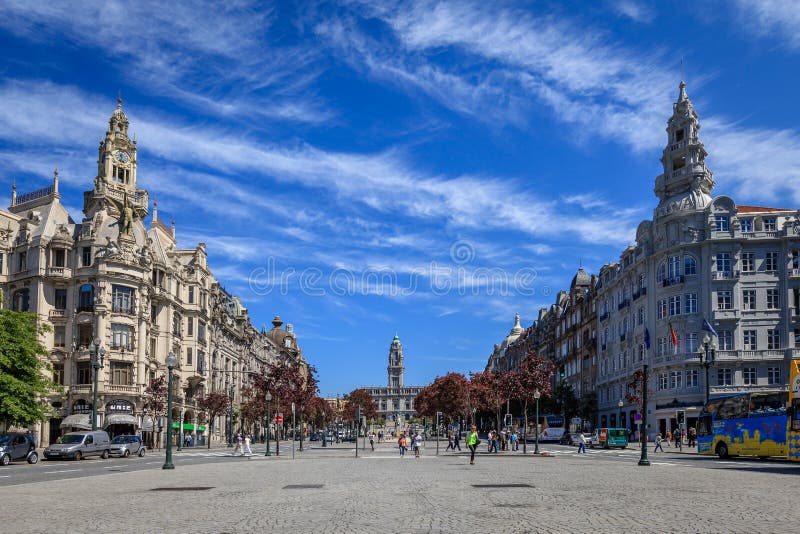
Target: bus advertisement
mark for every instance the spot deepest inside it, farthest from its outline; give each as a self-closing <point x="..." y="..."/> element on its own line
<point x="551" y="427"/>
<point x="793" y="433"/>
<point x="744" y="424"/>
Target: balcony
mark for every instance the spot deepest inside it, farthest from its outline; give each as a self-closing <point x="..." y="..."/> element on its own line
<point x="124" y="347"/>
<point x="623" y="304"/>
<point x="59" y="272"/>
<point x="57" y="314"/>
<point x="116" y="388"/>
<point x="672" y="281"/>
<point x="724" y="275"/>
<point x="794" y="273"/>
<point x="128" y="309"/>
<point x="604" y="316"/>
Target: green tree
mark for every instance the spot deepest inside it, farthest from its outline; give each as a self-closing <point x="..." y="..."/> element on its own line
<point x="24" y="380"/>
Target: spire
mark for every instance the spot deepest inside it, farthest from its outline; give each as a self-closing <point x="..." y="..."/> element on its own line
<point x="14" y="192"/>
<point x="55" y="183"/>
<point x="682" y="95"/>
<point x="517" y="326"/>
<point x="173" y="228"/>
<point x="155" y="210"/>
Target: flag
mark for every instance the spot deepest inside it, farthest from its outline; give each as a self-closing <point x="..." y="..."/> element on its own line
<point x="647" y="339"/>
<point x="673" y="337"/>
<point x="708" y="328"/>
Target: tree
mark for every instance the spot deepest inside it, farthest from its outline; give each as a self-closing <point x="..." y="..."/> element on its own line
<point x="155" y="402"/>
<point x="490" y="390"/>
<point x="534" y="374"/>
<point x="635" y="389"/>
<point x="213" y="405"/>
<point x="23" y="383"/>
<point x="354" y="399"/>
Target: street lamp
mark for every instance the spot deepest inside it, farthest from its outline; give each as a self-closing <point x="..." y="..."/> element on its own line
<point x="172" y="363"/>
<point x="268" y="397"/>
<point x="536" y="395"/>
<point x="643" y="461"/>
<point x="97" y="359"/>
<point x="230" y="416"/>
<point x="619" y="414"/>
<point x="707" y="354"/>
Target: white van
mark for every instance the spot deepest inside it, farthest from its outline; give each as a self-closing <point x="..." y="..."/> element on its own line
<point x="79" y="445"/>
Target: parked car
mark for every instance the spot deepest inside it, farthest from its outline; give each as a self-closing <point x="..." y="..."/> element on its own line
<point x="17" y="447"/>
<point x="79" y="445"/>
<point x="126" y="445"/>
<point x="594" y="439"/>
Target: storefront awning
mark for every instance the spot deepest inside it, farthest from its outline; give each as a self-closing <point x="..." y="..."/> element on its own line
<point x="78" y="420"/>
<point x="120" y="419"/>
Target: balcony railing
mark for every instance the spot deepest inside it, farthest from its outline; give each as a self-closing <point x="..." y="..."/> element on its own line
<point x="672" y="281"/>
<point x="55" y="313"/>
<point x="122" y="388"/>
<point x="127" y="309"/>
<point x="725" y="275"/>
<point x="604" y="316"/>
<point x="59" y="272"/>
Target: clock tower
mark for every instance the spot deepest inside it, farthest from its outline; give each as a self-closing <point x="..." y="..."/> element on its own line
<point x="396" y="366"/>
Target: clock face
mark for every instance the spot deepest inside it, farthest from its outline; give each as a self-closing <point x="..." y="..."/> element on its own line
<point x="121" y="156"/>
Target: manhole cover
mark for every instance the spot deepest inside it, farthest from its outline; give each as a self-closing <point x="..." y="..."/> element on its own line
<point x="184" y="488"/>
<point x="303" y="486"/>
<point x="502" y="486"/>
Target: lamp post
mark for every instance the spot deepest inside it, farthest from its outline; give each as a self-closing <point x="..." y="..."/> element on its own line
<point x="643" y="459"/>
<point x="97" y="359"/>
<point x="268" y="397"/>
<point x="230" y="416"/>
<point x="172" y="363"/>
<point x="707" y="358"/>
<point x="537" y="395"/>
<point x="619" y="413"/>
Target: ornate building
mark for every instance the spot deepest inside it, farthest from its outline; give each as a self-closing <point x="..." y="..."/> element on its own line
<point x="395" y="402"/>
<point x="112" y="283"/>
<point x="699" y="258"/>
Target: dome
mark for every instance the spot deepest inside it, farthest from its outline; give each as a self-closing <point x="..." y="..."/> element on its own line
<point x="580" y="279"/>
<point x="515" y="332"/>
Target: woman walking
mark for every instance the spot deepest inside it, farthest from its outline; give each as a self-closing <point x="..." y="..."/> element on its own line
<point x="472" y="443"/>
<point x="403" y="444"/>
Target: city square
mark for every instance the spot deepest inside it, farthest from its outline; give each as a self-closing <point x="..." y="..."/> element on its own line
<point x="329" y="490"/>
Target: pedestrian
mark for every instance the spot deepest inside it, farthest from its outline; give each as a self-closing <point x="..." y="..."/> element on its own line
<point x="658" y="444"/>
<point x="247" y="449"/>
<point x="372" y="441"/>
<point x="450" y="442"/>
<point x="692" y="436"/>
<point x="457" y="441"/>
<point x="402" y="444"/>
<point x="496" y="442"/>
<point x="472" y="443"/>
<point x="490" y="441"/>
<point x="669" y="438"/>
<point x="514" y="441"/>
<point x="581" y="443"/>
<point x="677" y="435"/>
<point x="417" y="444"/>
<point x="237" y="444"/>
<point x="380" y="436"/>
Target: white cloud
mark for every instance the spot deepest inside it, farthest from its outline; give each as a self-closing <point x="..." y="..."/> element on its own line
<point x="637" y="10"/>
<point x="772" y="19"/>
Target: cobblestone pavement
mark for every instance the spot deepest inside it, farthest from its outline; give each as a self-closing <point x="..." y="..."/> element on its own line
<point x="380" y="492"/>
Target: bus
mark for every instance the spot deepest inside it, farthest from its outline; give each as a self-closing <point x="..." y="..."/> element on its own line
<point x="551" y="428"/>
<point x="744" y="424"/>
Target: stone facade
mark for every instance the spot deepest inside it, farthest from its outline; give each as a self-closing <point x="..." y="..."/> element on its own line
<point x="395" y="402"/>
<point x="112" y="279"/>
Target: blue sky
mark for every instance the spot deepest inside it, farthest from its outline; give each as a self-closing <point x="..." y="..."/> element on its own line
<point x="429" y="168"/>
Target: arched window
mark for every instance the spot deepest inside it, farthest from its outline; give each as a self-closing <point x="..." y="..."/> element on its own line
<point x="689" y="265"/>
<point x="86" y="298"/>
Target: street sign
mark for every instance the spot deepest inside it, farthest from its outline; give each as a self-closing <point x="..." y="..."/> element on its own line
<point x="637" y="418"/>
<point x="279" y="418"/>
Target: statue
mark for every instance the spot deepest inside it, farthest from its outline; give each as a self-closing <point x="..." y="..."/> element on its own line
<point x="126" y="217"/>
<point x="110" y="250"/>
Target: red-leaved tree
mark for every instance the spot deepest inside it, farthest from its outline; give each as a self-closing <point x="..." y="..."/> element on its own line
<point x="213" y="405"/>
<point x="533" y="374"/>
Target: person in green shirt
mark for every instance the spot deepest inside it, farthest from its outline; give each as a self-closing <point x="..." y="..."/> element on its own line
<point x="472" y="443"/>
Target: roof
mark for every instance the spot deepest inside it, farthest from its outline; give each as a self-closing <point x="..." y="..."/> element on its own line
<point x="756" y="209"/>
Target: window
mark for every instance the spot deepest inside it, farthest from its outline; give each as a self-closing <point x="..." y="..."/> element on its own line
<point x="724" y="300"/>
<point x="189" y="356"/>
<point x="773" y="339"/>
<point x="674" y="266"/>
<point x="721" y="223"/>
<point x="679" y="135"/>
<point x="746" y="225"/>
<point x="724" y="377"/>
<point x="724" y="263"/>
<point x="662" y="308"/>
<point x="641" y="316"/>
<point x="691" y="342"/>
<point x="201" y="362"/>
<point x="748" y="262"/>
<point x="121" y="336"/>
<point x="1" y="262"/>
<point x="153" y="313"/>
<point x="734" y="407"/>
<point x="675" y="305"/>
<point x="22" y="262"/>
<point x="642" y="281"/>
<point x="86" y="298"/>
<point x="750" y="340"/>
<point x="773" y="376"/>
<point x="86" y="256"/>
<point x="121" y="373"/>
<point x="662" y="272"/>
<point x="749" y="299"/>
<point x="691" y="378"/>
<point x="725" y="340"/>
<point x="60" y="301"/>
<point x="20" y="300"/>
<point x="641" y="352"/>
<point x="123" y="299"/>
<point x="691" y="303"/>
<point x="176" y="324"/>
<point x="58" y="373"/>
<point x="191" y="294"/>
<point x="769" y="224"/>
<point x="749" y="376"/>
<point x="189" y="326"/>
<point x="59" y="257"/>
<point x="663" y="381"/>
<point x="201" y="332"/>
<point x="771" y="261"/>
<point x="84" y="374"/>
<point x="59" y="336"/>
<point x="675" y="378"/>
<point x="662" y="346"/>
<point x="773" y="299"/>
<point x="689" y="265"/>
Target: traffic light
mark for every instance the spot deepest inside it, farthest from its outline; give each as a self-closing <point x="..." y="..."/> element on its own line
<point x="681" y="417"/>
<point x="563" y="374"/>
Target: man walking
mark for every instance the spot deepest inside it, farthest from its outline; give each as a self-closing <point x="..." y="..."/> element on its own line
<point x="581" y="443"/>
<point x="237" y="441"/>
<point x="658" y="444"/>
<point x="372" y="441"/>
<point x="472" y="443"/>
<point x="457" y="441"/>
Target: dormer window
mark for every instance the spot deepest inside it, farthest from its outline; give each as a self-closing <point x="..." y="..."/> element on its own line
<point x="770" y="224"/>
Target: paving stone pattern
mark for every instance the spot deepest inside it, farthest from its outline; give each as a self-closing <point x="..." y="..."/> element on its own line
<point x="380" y="492"/>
